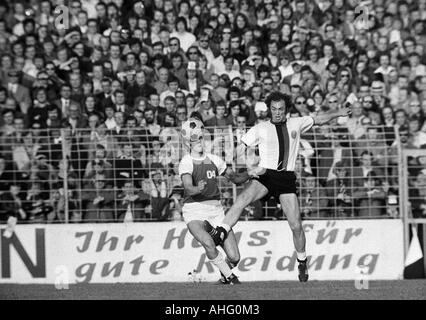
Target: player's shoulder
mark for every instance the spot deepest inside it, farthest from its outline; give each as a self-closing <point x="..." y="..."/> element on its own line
<point x="214" y="157"/>
<point x="299" y="120"/>
<point x="186" y="159"/>
<point x="263" y="124"/>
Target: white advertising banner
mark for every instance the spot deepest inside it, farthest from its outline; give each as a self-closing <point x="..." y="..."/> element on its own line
<point x="166" y="252"/>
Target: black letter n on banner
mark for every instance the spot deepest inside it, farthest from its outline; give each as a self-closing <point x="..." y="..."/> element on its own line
<point x="37" y="270"/>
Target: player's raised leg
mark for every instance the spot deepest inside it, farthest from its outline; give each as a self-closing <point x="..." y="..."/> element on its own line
<point x="195" y="227"/>
<point x="290" y="206"/>
<point x="253" y="192"/>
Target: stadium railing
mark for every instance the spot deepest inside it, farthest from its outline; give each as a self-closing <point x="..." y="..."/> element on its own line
<point x="64" y="175"/>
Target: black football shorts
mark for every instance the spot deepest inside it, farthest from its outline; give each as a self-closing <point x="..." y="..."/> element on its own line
<point x="278" y="182"/>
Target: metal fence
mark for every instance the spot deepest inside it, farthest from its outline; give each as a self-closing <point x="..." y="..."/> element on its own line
<point x="99" y="175"/>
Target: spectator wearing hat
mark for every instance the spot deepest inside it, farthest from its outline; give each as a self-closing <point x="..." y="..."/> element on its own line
<point x="378" y="92"/>
<point x="193" y="81"/>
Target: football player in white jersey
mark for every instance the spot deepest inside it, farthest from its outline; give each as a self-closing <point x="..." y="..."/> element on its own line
<point x="279" y="142"/>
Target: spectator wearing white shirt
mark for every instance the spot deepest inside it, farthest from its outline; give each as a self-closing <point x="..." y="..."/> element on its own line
<point x="229" y="62"/>
<point x="186" y="38"/>
<point x="417" y="69"/>
<point x="417" y="138"/>
<point x="109" y="114"/>
<point x="219" y="63"/>
<point x="285" y="68"/>
<point x="204" y="47"/>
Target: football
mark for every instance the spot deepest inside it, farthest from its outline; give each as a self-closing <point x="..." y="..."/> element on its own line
<point x="192" y="130"/>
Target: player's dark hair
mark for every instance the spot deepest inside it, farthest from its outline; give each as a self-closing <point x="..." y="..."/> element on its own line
<point x="278" y="96"/>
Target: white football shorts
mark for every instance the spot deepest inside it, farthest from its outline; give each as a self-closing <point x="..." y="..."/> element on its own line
<point x="211" y="210"/>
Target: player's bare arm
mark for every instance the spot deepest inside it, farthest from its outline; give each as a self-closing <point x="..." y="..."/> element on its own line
<point x="325" y="118"/>
<point x="190" y="188"/>
<point x="253" y="170"/>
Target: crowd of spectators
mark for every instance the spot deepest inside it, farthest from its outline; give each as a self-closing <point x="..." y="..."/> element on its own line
<point x="92" y="97"/>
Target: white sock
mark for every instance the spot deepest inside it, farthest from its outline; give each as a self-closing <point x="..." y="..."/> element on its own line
<point x="225" y="226"/>
<point x="301" y="256"/>
<point x="221" y="264"/>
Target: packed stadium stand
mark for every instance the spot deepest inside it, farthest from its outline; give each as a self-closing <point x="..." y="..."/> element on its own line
<point x="92" y="98"/>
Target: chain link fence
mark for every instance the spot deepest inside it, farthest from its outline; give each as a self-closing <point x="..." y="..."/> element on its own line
<point x="77" y="176"/>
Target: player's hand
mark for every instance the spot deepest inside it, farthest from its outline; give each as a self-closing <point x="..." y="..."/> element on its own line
<point x="255" y="172"/>
<point x="201" y="185"/>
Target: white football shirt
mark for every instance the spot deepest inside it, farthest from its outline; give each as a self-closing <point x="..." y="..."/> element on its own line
<point x="278" y="144"/>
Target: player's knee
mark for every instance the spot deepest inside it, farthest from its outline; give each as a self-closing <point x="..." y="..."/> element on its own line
<point x="208" y="244"/>
<point x="296" y="226"/>
<point x="234" y="260"/>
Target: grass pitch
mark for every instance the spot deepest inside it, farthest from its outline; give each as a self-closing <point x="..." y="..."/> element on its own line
<point x="288" y="290"/>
